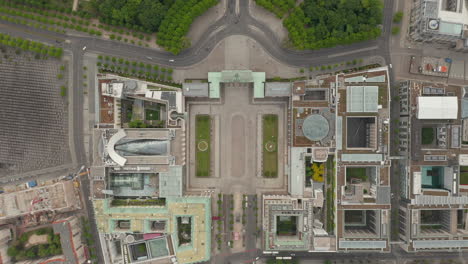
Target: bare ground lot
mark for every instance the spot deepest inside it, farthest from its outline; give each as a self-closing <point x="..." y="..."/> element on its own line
<point x="34" y="116"/>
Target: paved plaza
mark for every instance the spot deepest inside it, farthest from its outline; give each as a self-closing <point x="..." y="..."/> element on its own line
<point x="237" y="141"/>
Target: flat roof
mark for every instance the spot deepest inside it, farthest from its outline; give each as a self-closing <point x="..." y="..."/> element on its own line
<point x="196" y="207"/>
<point x="170" y="183"/>
<point x="195" y="89"/>
<point x="440" y="243"/>
<point x="297" y="171"/>
<point x="362" y="157"/>
<point x="273" y="89"/>
<point x="242" y="76"/>
<point x="363" y="244"/>
<point x="214" y="80"/>
<point x="362" y="98"/>
<point x="437" y="107"/>
<point x="460" y="16"/>
<point x="449" y="28"/>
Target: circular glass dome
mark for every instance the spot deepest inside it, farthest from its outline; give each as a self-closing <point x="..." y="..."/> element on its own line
<point x="315" y="127"/>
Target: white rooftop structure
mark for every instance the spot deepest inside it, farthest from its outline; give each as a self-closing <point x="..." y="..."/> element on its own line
<point x="362" y="99"/>
<point x="437" y="107"/>
<point x="113" y="89"/>
<point x="459" y="15"/>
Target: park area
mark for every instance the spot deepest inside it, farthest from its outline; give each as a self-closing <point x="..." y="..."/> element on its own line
<point x="35" y="244"/>
<point x="270" y="146"/>
<point x="202" y="144"/>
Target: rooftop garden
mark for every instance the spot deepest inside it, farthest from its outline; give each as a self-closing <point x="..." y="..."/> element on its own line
<point x="184" y="230"/>
<point x="139" y="202"/>
<point x="330" y="195"/>
<point x="464" y="175"/>
<point x="286" y="225"/>
<point x="427" y="135"/>
<point x="139" y="251"/>
<point x="356" y="173"/>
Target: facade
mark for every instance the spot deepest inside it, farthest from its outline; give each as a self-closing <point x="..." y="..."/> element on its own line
<point x="434" y="188"/>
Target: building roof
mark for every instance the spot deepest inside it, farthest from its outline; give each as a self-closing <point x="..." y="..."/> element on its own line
<point x="362" y="98"/>
<point x="315" y="127"/>
<point x="437" y="107"/>
<point x="460" y="15"/>
<point x="440" y="243"/>
<point x="214" y="79"/>
<point x="383" y="195"/>
<point x="242" y="76"/>
<point x="450" y="28"/>
<point x="273" y="89"/>
<point x="70" y="240"/>
<point x="362" y="244"/>
<point x="464" y="106"/>
<point x="362" y="157"/>
<point x="199" y="208"/>
<point x="195" y="89"/>
<point x="170" y="183"/>
<point x="296" y="178"/>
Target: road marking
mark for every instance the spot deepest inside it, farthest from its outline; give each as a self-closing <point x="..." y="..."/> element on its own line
<point x="353" y="51"/>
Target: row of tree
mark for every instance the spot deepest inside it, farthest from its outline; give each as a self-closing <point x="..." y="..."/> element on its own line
<point x="80" y="26"/>
<point x="277" y="7"/>
<point x="28" y="45"/>
<point x="177" y="21"/>
<point x="319" y="24"/>
<point x="60" y="5"/>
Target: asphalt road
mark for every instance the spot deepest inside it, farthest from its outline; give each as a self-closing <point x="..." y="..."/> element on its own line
<point x="228" y="25"/>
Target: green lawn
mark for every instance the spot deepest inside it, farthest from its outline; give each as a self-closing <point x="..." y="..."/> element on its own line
<point x="463" y="177"/>
<point x="356" y="173"/>
<point x="270" y="146"/>
<point x="427" y="135"/>
<point x="330" y="194"/>
<point x="151" y="114"/>
<point x="203" y="140"/>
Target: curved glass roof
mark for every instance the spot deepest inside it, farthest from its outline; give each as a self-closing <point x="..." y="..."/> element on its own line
<point x="315" y="127"/>
<point x="141" y="147"/>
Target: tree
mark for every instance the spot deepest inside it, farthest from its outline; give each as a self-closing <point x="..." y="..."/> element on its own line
<point x="13" y="251"/>
<point x="137" y="124"/>
<point x="395" y="30"/>
<point x="43" y="251"/>
<point x="397" y="17"/>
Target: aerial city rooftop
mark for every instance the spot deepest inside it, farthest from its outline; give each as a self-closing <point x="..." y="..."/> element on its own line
<point x="234" y="131"/>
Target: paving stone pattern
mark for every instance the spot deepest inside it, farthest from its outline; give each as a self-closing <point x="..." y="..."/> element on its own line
<point x="33" y="115"/>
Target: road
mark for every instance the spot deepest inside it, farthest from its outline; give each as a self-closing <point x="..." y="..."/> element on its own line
<point x="232" y="23"/>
